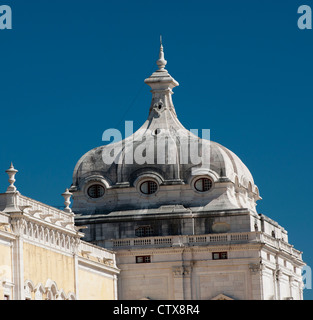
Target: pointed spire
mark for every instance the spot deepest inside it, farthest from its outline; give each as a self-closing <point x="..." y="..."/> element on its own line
<point x="161" y="83"/>
<point x="11" y="173"/>
<point x="161" y="62"/>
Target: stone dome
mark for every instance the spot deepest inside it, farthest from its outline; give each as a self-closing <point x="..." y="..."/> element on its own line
<point x="163" y="150"/>
<point x="223" y="164"/>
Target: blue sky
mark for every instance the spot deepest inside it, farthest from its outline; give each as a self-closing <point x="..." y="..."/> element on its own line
<point x="72" y="69"/>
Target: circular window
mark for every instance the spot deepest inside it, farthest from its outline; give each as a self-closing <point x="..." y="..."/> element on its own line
<point x="148" y="187"/>
<point x="96" y="191"/>
<point x="203" y="184"/>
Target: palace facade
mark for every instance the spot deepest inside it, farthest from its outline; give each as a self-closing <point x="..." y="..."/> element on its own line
<point x="149" y="221"/>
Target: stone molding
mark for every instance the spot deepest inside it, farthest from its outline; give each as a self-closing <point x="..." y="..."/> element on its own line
<point x="49" y="291"/>
<point x="44" y="234"/>
<point x="173" y="250"/>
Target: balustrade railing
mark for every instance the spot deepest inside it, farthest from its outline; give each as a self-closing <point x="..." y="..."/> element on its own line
<point x="170" y="240"/>
<point x="45" y="209"/>
<point x="208" y="239"/>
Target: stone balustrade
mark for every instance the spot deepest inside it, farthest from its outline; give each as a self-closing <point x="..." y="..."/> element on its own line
<point x="45" y="210"/>
<point x="96" y="251"/>
<point x="206" y="239"/>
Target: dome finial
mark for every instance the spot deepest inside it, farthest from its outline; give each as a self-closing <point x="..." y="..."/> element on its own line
<point x="161" y="62"/>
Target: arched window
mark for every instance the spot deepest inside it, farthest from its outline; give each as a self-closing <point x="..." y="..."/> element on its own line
<point x="39" y="291"/>
<point x="28" y="289"/>
<point x="71" y="296"/>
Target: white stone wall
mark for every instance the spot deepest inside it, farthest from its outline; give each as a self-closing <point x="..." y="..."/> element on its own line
<point x="186" y="274"/>
<point x="191" y="273"/>
<point x="281" y="277"/>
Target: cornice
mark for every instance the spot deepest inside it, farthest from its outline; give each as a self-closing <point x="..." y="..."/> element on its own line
<point x="184" y="213"/>
<point x="97" y="265"/>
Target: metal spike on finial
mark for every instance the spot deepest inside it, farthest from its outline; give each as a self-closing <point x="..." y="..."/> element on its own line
<point x="161" y="62"/>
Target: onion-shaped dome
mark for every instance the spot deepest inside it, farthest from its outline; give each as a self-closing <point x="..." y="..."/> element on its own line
<point x="165" y="152"/>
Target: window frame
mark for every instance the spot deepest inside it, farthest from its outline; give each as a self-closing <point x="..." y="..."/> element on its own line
<point x="145" y="259"/>
<point x="147" y="231"/>
<point x="203" y="180"/>
<point x="222" y="255"/>
<point x="149" y="182"/>
<point x="93" y="186"/>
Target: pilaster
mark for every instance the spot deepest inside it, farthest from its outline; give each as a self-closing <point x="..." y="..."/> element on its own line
<point x="256" y="281"/>
<point x="182" y="284"/>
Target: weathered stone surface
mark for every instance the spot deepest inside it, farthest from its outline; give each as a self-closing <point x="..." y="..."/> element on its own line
<point x="179" y="242"/>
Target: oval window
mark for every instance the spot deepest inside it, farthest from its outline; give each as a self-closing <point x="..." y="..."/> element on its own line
<point x="148" y="187"/>
<point x="96" y="191"/>
<point x="203" y="184"/>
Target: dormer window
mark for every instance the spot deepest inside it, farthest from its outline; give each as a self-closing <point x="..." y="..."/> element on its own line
<point x="149" y="187"/>
<point x="203" y="184"/>
<point x="96" y="191"/>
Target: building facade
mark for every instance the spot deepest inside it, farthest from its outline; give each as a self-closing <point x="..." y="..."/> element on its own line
<point x="42" y="256"/>
<point x="181" y="229"/>
<point x="164" y="214"/>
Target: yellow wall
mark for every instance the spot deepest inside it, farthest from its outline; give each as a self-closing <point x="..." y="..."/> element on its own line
<point x="41" y="264"/>
<point x="5" y="265"/>
<point x="93" y="286"/>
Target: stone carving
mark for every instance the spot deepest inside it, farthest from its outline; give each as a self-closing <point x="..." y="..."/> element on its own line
<point x="179" y="271"/>
<point x="256" y="267"/>
<point x="158" y="107"/>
